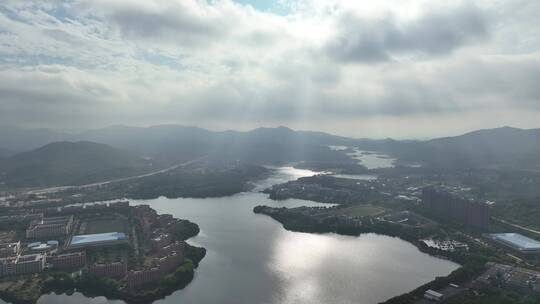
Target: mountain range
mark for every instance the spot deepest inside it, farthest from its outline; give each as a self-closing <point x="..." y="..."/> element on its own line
<point x="54" y="158"/>
<point x="173" y="143"/>
<point x="490" y="148"/>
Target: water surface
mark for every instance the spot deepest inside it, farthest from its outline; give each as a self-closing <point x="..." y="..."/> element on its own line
<point x="252" y="259"/>
<point x="372" y="160"/>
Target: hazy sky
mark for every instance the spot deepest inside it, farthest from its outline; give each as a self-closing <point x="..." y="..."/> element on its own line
<point x="362" y="68"/>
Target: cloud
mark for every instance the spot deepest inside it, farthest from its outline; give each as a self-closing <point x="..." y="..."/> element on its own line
<point x="220" y="64"/>
<point x="436" y="32"/>
<point x="182" y="22"/>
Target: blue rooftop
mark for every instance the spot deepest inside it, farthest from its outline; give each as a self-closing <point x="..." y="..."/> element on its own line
<point x="89" y="239"/>
<point x="517" y="240"/>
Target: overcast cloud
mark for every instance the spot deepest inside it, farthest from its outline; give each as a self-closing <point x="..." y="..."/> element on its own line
<point x="360" y="68"/>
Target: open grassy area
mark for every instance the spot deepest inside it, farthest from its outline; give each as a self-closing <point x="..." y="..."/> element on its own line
<point x="360" y="210"/>
<point x="118" y="224"/>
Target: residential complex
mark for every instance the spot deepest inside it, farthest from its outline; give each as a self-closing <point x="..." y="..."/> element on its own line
<point x="22" y="264"/>
<point x="68" y="251"/>
<point x="115" y="270"/>
<point x="68" y="261"/>
<point x="456" y="207"/>
<point x="49" y="227"/>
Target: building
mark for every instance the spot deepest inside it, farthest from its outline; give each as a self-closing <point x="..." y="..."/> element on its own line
<point x="160" y="241"/>
<point x="27" y="264"/>
<point x="68" y="261"/>
<point x="171" y="262"/>
<point x="42" y="247"/>
<point x="7" y="267"/>
<point x="20" y="217"/>
<point x="517" y="242"/>
<point x="10" y="249"/>
<point x="162" y="266"/>
<point x="455" y="207"/>
<point x="136" y="278"/>
<point x="445" y="245"/>
<point x="115" y="270"/>
<point x="173" y="247"/>
<point x="433" y="295"/>
<point x="98" y="239"/>
<point x="22" y="264"/>
<point x="86" y="208"/>
<point x="510" y="277"/>
<point x="50" y="227"/>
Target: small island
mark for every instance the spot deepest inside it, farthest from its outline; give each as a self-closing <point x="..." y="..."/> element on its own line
<point x="101" y="249"/>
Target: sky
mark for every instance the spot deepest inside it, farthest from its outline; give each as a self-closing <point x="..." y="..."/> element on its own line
<point x="401" y="69"/>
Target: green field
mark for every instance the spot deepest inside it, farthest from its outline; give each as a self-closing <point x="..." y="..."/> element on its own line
<point x="360" y="210"/>
<point x="106" y="225"/>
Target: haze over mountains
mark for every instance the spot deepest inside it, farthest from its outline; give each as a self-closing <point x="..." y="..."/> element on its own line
<point x="17" y="139"/>
<point x="69" y="163"/>
<point x="171" y="143"/>
<point x="119" y="151"/>
<point x="496" y="148"/>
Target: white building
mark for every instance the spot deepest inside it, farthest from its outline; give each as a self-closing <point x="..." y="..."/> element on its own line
<point x="433" y="295"/>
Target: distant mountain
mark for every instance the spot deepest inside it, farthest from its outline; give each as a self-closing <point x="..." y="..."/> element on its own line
<point x="69" y="163"/>
<point x="500" y="147"/>
<point x="279" y="145"/>
<point x="18" y="139"/>
<point x="172" y="143"/>
<point x="168" y="144"/>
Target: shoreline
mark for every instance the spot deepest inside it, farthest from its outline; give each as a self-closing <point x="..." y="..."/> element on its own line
<point x="467" y="269"/>
<point x="29" y="288"/>
<point x="59" y="283"/>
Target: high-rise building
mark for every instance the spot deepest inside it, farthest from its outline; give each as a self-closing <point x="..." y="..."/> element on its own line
<point x="455" y="207"/>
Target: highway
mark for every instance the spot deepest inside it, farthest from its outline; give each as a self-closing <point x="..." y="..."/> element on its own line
<point x="517" y="226"/>
<point x="123" y="179"/>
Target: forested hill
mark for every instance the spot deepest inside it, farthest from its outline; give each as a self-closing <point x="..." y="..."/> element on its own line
<point x="496" y="148"/>
<point x="169" y="144"/>
<point x="69" y="163"/>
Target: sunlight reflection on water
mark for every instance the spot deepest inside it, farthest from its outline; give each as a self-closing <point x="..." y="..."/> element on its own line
<point x="252" y="259"/>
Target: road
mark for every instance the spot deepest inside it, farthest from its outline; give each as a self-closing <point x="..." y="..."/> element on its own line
<point x="517" y="226"/>
<point x="123" y="179"/>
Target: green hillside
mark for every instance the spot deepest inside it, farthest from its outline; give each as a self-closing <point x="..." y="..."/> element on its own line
<point x="69" y="163"/>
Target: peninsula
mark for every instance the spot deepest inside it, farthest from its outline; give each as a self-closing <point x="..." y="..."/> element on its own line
<point x="99" y="249"/>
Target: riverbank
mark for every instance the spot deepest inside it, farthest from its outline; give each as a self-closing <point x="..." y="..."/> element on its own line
<point x="237" y="242"/>
<point x="472" y="261"/>
<point x="197" y="180"/>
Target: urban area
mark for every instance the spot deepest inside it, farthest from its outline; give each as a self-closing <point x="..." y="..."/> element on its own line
<point x="444" y="219"/>
<point x="129" y="250"/>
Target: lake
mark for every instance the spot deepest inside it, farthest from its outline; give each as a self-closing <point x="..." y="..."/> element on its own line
<point x="252" y="259"/>
<point x="372" y="160"/>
